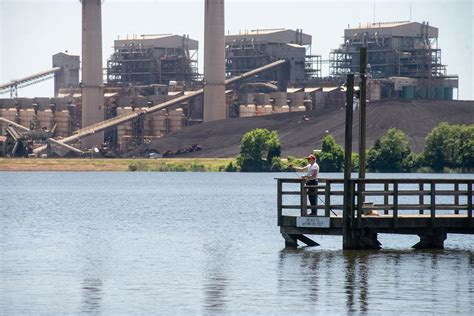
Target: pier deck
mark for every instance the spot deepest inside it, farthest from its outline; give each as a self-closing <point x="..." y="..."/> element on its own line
<point x="429" y="208"/>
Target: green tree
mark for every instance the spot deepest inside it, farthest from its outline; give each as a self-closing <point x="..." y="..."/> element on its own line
<point x="331" y="158"/>
<point x="355" y="162"/>
<point x="389" y="152"/>
<point x="450" y="146"/>
<point x="466" y="149"/>
<point x="413" y="162"/>
<point x="259" y="150"/>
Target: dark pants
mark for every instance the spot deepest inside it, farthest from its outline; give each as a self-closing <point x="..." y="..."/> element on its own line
<point x="312" y="197"/>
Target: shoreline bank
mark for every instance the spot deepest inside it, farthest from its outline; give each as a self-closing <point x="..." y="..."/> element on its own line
<point x="115" y="164"/>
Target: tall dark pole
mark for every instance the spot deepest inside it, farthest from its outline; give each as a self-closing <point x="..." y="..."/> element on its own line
<point x="362" y="111"/>
<point x="347" y="208"/>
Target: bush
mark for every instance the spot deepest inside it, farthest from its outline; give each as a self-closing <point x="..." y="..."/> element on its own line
<point x="277" y="165"/>
<point x="138" y="166"/>
<point x="296" y="162"/>
<point x="231" y="167"/>
<point x="197" y="167"/>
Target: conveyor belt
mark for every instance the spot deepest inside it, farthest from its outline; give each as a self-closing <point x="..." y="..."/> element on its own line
<point x="95" y="128"/>
<point x="22" y="82"/>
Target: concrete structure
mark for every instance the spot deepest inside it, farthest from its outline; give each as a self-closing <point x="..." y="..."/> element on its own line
<point x="214" y="62"/>
<point x="252" y="49"/>
<point x="153" y="59"/>
<point x="92" y="84"/>
<point x="68" y="75"/>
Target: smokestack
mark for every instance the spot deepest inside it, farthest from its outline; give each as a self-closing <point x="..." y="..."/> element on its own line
<point x="214" y="61"/>
<point x="92" y="85"/>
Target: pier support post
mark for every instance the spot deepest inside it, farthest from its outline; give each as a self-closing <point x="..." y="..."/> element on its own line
<point x="432" y="239"/>
<point x="362" y="239"/>
<point x="291" y="240"/>
<point x="347" y="229"/>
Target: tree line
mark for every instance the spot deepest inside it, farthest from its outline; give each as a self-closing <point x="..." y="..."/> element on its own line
<point x="447" y="148"/>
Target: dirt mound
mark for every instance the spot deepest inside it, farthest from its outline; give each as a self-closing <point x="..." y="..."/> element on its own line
<point x="299" y="136"/>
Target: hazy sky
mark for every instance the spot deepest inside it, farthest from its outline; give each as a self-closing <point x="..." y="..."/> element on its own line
<point x="31" y="31"/>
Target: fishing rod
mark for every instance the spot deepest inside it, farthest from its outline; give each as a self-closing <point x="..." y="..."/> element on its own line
<point x="324" y="203"/>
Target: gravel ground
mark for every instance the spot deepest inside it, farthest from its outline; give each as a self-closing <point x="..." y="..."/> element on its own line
<point x="298" y="136"/>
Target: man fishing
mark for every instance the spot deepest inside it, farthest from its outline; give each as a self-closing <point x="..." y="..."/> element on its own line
<point x="311" y="177"/>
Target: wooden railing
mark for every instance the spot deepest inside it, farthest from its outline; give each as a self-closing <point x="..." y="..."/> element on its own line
<point x="390" y="196"/>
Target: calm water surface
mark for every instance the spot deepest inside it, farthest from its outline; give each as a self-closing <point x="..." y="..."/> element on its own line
<point x="200" y="243"/>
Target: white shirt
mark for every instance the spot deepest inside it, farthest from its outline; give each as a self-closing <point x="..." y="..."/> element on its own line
<point x="313" y="170"/>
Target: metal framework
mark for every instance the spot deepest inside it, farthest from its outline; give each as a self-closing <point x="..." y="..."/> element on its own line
<point x="14" y="85"/>
<point x="244" y="55"/>
<point x="138" y="65"/>
<point x="388" y="55"/>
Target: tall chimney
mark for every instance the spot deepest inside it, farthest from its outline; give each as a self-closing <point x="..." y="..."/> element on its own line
<point x="92" y="85"/>
<point x="214" y="61"/>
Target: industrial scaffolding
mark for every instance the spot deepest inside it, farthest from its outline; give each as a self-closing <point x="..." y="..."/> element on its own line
<point x="253" y="49"/>
<point x="403" y="51"/>
<point x="153" y="59"/>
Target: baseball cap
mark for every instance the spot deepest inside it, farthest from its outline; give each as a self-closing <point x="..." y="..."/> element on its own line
<point x="311" y="157"/>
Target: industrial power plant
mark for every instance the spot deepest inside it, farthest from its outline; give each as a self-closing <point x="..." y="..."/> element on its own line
<point x="153" y="87"/>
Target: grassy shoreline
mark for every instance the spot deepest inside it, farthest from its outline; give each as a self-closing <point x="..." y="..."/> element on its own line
<point x="139" y="164"/>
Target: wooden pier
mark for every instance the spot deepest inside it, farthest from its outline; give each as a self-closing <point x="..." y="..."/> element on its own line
<point x="429" y="208"/>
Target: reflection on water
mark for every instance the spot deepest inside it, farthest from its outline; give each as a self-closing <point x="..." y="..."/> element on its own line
<point x="201" y="243"/>
<point x="91" y="295"/>
<point x="369" y="278"/>
<point x="215" y="278"/>
<point x="356" y="280"/>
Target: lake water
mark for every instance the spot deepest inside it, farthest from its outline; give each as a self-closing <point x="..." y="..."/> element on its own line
<point x="201" y="243"/>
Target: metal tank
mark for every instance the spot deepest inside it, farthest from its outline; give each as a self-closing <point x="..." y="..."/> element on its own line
<point x="408" y="92"/>
<point x="176" y="119"/>
<point x="448" y="93"/>
<point x="296" y="101"/>
<point x="247" y="110"/>
<point x="264" y="107"/>
<point x="27" y="117"/>
<point x="439" y="93"/>
<point x="280" y="102"/>
<point x="158" y="123"/>
<point x="10" y="114"/>
<point x="124" y="131"/>
<point x="45" y="119"/>
<point x="63" y="123"/>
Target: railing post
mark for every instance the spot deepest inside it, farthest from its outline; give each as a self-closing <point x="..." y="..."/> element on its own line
<point x="360" y="201"/>
<point x="456" y="198"/>
<point x="469" y="202"/>
<point x="433" y="202"/>
<point x="303" y="203"/>
<point x="421" y="198"/>
<point x="395" y="204"/>
<point x="279" y="201"/>
<point x="353" y="199"/>
<point x="385" y="196"/>
<point x="327" y="199"/>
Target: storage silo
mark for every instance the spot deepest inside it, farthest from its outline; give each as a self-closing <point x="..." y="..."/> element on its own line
<point x="176" y="119"/>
